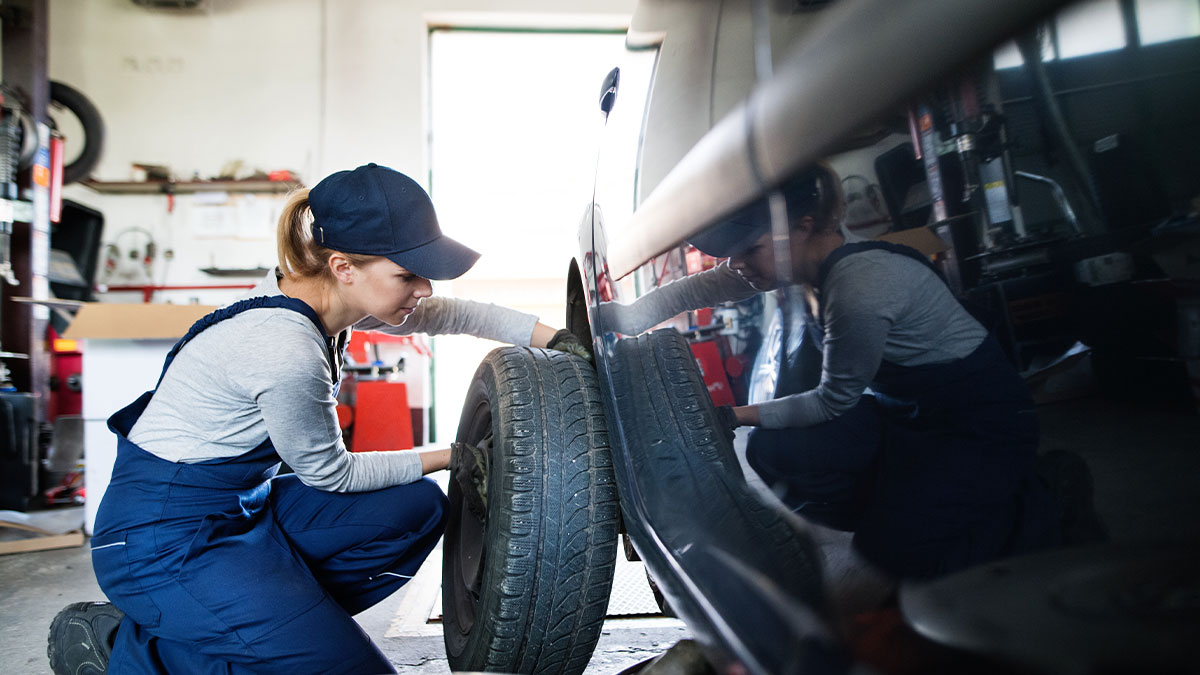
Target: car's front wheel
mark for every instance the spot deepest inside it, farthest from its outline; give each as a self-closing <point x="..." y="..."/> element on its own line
<point x="526" y="577"/>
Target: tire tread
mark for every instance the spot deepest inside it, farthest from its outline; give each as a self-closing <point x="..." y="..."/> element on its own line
<point x="558" y="525"/>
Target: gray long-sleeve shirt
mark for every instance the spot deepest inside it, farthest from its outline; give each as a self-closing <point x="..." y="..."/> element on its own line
<point x="266" y="372"/>
<point x="877" y="305"/>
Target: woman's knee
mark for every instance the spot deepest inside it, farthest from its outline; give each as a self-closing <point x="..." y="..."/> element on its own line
<point x="437" y="504"/>
<point x="849" y="443"/>
<point x="764" y="449"/>
<point x="419" y="507"/>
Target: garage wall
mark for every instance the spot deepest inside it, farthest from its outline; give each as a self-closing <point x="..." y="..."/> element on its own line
<point x="308" y="85"/>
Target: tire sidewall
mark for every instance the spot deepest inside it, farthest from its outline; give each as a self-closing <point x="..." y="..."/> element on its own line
<point x="546" y="553"/>
<point x="484" y="390"/>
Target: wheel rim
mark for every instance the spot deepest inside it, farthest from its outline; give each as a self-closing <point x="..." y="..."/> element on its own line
<point x="471" y="552"/>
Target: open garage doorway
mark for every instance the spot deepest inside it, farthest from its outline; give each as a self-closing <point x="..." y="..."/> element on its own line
<point x="514" y="129"/>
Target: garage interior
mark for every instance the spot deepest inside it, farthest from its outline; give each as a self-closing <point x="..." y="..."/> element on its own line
<point x="212" y="110"/>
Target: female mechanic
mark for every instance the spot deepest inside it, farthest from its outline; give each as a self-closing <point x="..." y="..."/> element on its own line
<point x="899" y="416"/>
<point x="215" y="563"/>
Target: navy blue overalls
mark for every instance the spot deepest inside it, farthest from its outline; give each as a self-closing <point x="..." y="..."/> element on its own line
<point x="221" y="567"/>
<point x="934" y="472"/>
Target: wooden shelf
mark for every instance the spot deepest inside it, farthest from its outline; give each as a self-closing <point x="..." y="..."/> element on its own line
<point x="235" y="271"/>
<point x="166" y="187"/>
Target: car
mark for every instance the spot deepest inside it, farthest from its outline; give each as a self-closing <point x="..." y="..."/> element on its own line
<point x="716" y="106"/>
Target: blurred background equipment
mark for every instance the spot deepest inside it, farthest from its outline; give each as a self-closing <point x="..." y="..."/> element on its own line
<point x="1050" y="190"/>
<point x="50" y="135"/>
<point x="385" y="395"/>
<point x="866" y="212"/>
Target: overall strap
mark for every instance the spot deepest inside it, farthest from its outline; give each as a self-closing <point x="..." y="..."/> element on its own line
<point x="260" y="302"/>
<point x="860" y="246"/>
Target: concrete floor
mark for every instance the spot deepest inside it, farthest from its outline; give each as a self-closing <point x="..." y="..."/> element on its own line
<point x="34" y="586"/>
<point x="1145" y="459"/>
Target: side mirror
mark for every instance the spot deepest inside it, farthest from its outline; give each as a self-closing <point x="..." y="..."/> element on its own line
<point x="608" y="91"/>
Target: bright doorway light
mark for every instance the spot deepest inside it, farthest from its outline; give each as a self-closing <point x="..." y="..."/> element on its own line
<point x="515" y="126"/>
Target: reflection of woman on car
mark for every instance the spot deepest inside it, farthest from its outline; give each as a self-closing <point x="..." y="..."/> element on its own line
<point x="214" y="562"/>
<point x="899" y="417"/>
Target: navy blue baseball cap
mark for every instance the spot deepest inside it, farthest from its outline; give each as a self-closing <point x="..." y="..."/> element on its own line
<point x="374" y="210"/>
<point x="735" y="233"/>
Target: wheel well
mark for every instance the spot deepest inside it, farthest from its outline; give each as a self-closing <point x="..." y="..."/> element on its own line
<point x="577" y="315"/>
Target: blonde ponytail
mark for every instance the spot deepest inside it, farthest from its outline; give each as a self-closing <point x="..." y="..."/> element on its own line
<point x="294" y="237"/>
<point x="299" y="255"/>
<point x="831" y="206"/>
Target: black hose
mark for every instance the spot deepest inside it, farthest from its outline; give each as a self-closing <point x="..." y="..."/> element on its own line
<point x="1079" y="179"/>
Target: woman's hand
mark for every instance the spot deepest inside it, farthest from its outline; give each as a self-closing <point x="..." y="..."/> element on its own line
<point x="562" y="340"/>
<point x="565" y="341"/>
<point x="434" y="460"/>
<point x="468" y="467"/>
<point x="747" y="415"/>
<point x="542" y="335"/>
<point x="730" y="418"/>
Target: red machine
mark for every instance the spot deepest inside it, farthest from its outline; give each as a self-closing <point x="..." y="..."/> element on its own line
<point x="66" y="384"/>
<point x="712" y="369"/>
<point x="381" y="402"/>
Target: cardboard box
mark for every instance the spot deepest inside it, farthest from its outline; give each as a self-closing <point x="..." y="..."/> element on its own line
<point x="123" y="351"/>
<point x="100" y="320"/>
<point x="921" y="238"/>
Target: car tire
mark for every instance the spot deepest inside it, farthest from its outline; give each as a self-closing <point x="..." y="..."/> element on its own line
<point x="668" y="415"/>
<point x="81" y="106"/>
<point x="525" y="589"/>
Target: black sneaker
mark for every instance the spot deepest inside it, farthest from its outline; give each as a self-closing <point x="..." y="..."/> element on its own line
<point x="81" y="638"/>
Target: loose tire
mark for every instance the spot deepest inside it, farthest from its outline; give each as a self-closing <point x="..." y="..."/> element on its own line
<point x="525" y="589"/>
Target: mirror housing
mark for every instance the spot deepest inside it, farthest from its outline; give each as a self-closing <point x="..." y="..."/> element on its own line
<point x="608" y="91"/>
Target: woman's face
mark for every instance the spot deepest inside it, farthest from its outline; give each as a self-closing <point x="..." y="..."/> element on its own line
<point x="387" y="291"/>
<point x="807" y="249"/>
<point x="757" y="264"/>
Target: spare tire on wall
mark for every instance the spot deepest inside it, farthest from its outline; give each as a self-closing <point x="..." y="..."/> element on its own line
<point x="66" y="97"/>
<point x="525" y="587"/>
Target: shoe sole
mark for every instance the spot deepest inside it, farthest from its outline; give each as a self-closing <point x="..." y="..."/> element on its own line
<point x="80" y="615"/>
